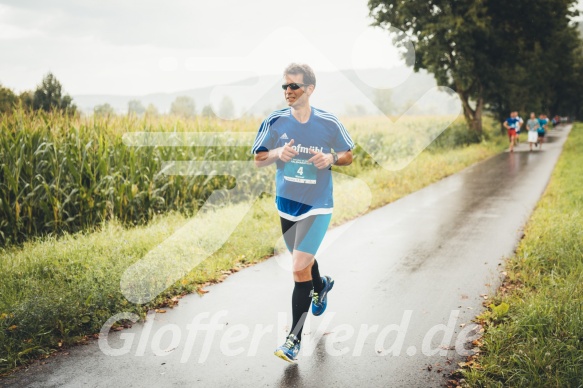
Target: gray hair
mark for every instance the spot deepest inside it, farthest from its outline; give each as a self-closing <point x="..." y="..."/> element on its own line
<point x="305" y="70"/>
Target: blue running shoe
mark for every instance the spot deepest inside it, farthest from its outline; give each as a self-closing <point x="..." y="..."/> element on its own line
<point x="320" y="300"/>
<point x="289" y="350"/>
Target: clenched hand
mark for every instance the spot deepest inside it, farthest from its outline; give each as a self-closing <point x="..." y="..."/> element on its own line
<point x="321" y="160"/>
<point x="286" y="153"/>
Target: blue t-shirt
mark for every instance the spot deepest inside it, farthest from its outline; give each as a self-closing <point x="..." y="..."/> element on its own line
<point x="542" y="123"/>
<point x="301" y="188"/>
<point x="512" y="122"/>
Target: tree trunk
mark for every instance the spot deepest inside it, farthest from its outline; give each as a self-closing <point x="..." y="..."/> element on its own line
<point x="477" y="122"/>
<point x="473" y="116"/>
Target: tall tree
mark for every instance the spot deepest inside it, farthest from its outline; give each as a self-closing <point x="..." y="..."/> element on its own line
<point x="488" y="51"/>
<point x="136" y="107"/>
<point x="183" y="106"/>
<point x="446" y="36"/>
<point x="49" y="96"/>
<point x="103" y="110"/>
<point x="572" y="102"/>
<point x="227" y="108"/>
<point x="7" y="99"/>
<point x="151" y="110"/>
<point x="383" y="99"/>
<point x="207" y="111"/>
<point x="357" y="110"/>
<point x="566" y="82"/>
<point x="545" y="44"/>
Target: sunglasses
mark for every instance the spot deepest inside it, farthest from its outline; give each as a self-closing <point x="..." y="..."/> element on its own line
<point x="293" y="86"/>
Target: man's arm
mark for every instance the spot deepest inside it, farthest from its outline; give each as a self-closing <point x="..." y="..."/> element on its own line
<point x="285" y="154"/>
<point x="344" y="158"/>
<point x="322" y="160"/>
<point x="265" y="158"/>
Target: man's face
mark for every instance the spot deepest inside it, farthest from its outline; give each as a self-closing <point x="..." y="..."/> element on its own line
<point x="299" y="96"/>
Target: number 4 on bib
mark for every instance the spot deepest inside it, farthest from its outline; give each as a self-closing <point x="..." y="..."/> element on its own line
<point x="300" y="171"/>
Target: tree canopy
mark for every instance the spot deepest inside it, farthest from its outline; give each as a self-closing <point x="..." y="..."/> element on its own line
<point x="7" y="99"/>
<point x="183" y="106"/>
<point x="152" y="110"/>
<point x="496" y="55"/>
<point x="207" y="111"/>
<point x="103" y="110"/>
<point x="227" y="108"/>
<point x="136" y="107"/>
<point x="49" y="96"/>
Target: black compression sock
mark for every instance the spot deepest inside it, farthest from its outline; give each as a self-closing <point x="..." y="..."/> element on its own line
<point x="316" y="279"/>
<point x="301" y="300"/>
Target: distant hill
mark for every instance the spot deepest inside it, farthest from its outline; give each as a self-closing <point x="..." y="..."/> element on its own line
<point x="341" y="92"/>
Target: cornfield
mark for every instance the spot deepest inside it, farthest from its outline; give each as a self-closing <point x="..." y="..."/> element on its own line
<point x="59" y="173"/>
<point x="67" y="174"/>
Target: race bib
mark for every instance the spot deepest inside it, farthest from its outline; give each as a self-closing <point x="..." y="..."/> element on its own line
<point x="300" y="171"/>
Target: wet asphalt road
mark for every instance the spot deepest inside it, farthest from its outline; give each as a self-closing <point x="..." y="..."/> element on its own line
<point x="408" y="278"/>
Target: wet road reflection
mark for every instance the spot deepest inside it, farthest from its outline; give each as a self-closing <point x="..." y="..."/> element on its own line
<point x="408" y="277"/>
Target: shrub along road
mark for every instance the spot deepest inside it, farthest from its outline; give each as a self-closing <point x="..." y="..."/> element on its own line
<point x="409" y="279"/>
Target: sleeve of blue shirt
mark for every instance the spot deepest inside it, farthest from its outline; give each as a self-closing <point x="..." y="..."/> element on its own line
<point x="342" y="141"/>
<point x="264" y="140"/>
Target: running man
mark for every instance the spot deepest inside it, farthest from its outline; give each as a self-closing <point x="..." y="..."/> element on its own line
<point x="543" y="121"/>
<point x="510" y="125"/>
<point x="518" y="126"/>
<point x="532" y="125"/>
<point x="305" y="143"/>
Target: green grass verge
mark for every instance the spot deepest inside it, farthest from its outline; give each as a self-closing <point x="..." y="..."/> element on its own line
<point x="56" y="291"/>
<point x="538" y="342"/>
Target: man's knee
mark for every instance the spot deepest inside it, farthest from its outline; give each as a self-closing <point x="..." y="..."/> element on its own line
<point x="303" y="275"/>
<point x="303" y="267"/>
<point x="302" y="262"/>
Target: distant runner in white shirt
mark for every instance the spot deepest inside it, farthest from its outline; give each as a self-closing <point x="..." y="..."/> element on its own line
<point x="532" y="125"/>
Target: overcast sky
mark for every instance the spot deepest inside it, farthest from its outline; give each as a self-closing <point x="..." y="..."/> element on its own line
<point x="147" y="46"/>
